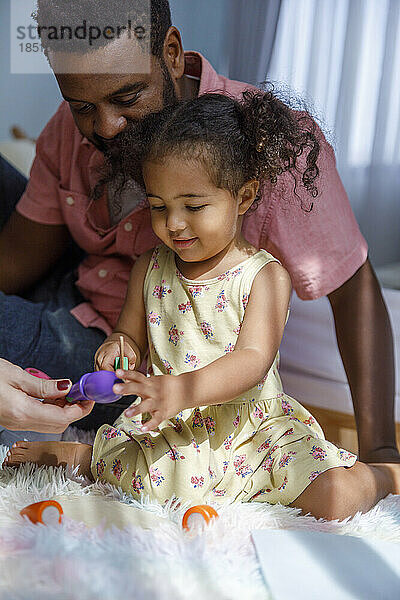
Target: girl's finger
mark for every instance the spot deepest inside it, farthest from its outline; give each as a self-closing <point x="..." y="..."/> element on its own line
<point x="108" y="362"/>
<point x="143" y="407"/>
<point x="136" y="385"/>
<point x="152" y="424"/>
<point x="132" y="361"/>
<point x="131" y="412"/>
<point x="127" y="389"/>
<point x="99" y="361"/>
<point x="131" y="375"/>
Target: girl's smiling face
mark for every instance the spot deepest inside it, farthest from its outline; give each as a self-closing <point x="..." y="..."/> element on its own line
<point x="192" y="216"/>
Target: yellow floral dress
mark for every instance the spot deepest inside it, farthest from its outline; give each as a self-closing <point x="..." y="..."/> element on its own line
<point x="262" y="446"/>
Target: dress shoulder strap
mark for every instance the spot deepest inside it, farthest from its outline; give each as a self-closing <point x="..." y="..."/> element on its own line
<point x="255" y="264"/>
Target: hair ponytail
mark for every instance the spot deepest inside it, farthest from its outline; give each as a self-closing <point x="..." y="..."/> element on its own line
<point x="278" y="136"/>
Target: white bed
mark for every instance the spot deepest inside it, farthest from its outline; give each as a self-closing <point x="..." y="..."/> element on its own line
<point x="311" y="367"/>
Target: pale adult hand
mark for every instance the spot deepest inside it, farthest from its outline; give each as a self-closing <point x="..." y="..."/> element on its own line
<point x="21" y="408"/>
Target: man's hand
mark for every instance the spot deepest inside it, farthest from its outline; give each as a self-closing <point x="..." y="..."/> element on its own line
<point x="161" y="396"/>
<point x="386" y="454"/>
<point x="21" y="408"/>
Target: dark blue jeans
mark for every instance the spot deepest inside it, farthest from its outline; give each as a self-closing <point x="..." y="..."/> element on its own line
<point x="38" y="330"/>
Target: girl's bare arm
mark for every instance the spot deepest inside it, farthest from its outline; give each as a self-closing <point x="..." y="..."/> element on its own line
<point x="255" y="350"/>
<point x="131" y="322"/>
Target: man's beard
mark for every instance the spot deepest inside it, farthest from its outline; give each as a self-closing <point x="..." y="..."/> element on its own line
<point x="169" y="94"/>
<point x="169" y="98"/>
<point x="118" y="151"/>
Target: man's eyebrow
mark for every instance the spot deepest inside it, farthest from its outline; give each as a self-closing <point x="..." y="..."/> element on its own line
<point x="68" y="99"/>
<point x="125" y="89"/>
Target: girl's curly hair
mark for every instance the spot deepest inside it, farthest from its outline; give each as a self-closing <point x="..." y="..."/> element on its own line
<point x="257" y="137"/>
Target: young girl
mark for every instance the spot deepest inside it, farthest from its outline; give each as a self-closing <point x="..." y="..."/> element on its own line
<point x="210" y="309"/>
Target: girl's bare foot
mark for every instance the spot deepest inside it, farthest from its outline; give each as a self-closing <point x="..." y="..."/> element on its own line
<point x="53" y="454"/>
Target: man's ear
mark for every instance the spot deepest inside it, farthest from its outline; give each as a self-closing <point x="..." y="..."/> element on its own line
<point x="173" y="53"/>
<point x="247" y="194"/>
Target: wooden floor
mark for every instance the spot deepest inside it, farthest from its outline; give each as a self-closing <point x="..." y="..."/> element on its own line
<point x="340" y="428"/>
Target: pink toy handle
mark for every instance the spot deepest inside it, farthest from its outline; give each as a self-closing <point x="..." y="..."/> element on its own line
<point x="37" y="373"/>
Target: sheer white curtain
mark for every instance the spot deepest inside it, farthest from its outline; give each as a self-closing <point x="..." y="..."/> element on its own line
<point x="344" y="56"/>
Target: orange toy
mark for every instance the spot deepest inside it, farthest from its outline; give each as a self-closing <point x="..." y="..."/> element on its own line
<point x="198" y="515"/>
<point x="48" y="512"/>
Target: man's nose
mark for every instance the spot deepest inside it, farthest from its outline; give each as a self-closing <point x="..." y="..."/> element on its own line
<point x="108" y="125"/>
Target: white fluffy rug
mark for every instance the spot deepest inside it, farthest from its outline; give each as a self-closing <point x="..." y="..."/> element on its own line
<point x="72" y="561"/>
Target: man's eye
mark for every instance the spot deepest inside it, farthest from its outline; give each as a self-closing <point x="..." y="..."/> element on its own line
<point x="159" y="208"/>
<point x="128" y="101"/>
<point x="82" y="109"/>
<point x="195" y="208"/>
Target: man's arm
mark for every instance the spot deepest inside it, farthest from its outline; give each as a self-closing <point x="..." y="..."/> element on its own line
<point x="27" y="250"/>
<point x="365" y="342"/>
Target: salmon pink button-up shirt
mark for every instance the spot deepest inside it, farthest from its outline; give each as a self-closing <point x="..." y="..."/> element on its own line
<point x="321" y="249"/>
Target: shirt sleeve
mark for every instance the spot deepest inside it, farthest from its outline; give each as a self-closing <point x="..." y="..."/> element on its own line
<point x="40" y="201"/>
<point x="323" y="247"/>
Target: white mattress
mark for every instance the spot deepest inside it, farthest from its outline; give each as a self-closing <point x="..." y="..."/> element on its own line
<point x="20" y="153"/>
<point x="311" y="367"/>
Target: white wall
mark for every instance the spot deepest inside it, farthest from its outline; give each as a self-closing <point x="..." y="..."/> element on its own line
<point x="25" y="100"/>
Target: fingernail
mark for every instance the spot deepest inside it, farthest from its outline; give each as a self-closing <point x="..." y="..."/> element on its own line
<point x="63" y="384"/>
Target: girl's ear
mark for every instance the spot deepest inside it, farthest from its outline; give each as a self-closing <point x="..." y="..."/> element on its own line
<point x="247" y="194"/>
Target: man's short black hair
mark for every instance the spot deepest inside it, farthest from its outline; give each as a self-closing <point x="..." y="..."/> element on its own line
<point x="72" y="13"/>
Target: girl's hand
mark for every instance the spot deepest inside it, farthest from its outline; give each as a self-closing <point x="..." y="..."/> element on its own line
<point x="104" y="359"/>
<point x="161" y="396"/>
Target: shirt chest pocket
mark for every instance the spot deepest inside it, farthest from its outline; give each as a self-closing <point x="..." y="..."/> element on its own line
<point x="74" y="207"/>
<point x="105" y="276"/>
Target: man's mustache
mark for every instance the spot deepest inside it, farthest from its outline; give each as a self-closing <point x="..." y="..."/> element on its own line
<point x="110" y="146"/>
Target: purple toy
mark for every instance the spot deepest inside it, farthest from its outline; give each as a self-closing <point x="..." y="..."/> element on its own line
<point x="95" y="386"/>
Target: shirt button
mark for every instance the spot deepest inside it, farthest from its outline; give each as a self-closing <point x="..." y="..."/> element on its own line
<point x="103" y="273"/>
<point x="128" y="226"/>
<point x="69" y="200"/>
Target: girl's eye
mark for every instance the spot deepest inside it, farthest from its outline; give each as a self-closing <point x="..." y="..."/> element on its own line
<point x="195" y="208"/>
